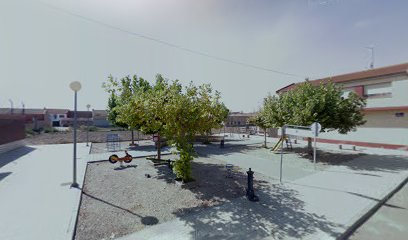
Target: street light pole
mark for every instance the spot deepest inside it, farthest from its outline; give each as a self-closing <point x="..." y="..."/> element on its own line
<point x="87" y="130"/>
<point x="75" y="86"/>
<point x="11" y="106"/>
<point x="223" y="137"/>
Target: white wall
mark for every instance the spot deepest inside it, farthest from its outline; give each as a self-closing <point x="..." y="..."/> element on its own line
<point x="399" y="96"/>
<point x="398" y="136"/>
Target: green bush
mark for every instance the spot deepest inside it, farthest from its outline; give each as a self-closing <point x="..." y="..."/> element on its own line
<point x="29" y="132"/>
<point x="182" y="166"/>
<point x="50" y="130"/>
<point x="93" y="129"/>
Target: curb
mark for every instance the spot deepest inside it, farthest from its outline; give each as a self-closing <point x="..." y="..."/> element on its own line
<point x="90" y="148"/>
<point x="79" y="204"/>
<point x="83" y="184"/>
<point x="345" y="235"/>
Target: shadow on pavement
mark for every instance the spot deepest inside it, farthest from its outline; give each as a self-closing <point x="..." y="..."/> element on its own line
<point x="358" y="161"/>
<point x="147" y="220"/>
<point x="279" y="213"/>
<point x="381" y="163"/>
<point x="3" y="175"/>
<point x="125" y="166"/>
<point x="13" y="155"/>
<point x="110" y="204"/>
<point x="211" y="150"/>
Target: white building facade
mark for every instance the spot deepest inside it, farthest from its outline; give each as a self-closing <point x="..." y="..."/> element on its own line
<point x="386" y="92"/>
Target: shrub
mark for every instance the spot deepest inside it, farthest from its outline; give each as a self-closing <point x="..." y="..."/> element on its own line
<point x="29" y="132"/>
<point x="182" y="166"/>
<point x="93" y="129"/>
<point x="50" y="130"/>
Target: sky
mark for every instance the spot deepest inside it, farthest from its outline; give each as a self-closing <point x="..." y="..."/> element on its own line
<point x="237" y="46"/>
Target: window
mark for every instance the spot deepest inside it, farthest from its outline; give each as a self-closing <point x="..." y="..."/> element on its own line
<point x="399" y="114"/>
<point x="378" y="90"/>
<point x="61" y="116"/>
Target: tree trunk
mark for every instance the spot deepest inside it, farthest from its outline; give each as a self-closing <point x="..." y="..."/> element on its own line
<point x="133" y="138"/>
<point x="158" y="147"/>
<point x="309" y="143"/>
<point x="265" y="138"/>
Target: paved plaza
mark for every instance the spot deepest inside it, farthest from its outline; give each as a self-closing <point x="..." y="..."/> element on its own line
<point x="319" y="201"/>
<point x="36" y="199"/>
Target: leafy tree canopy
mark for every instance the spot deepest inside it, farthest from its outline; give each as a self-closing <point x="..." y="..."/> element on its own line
<point x="169" y="109"/>
<point x="307" y="104"/>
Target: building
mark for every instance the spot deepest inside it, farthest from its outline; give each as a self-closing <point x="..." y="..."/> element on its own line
<point x="83" y="118"/>
<point x="43" y="118"/>
<point x="385" y="90"/>
<point x="100" y="118"/>
<point x="56" y="117"/>
<point x="238" y="119"/>
<point x="34" y="118"/>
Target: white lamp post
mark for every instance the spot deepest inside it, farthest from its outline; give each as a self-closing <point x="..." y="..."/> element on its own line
<point x="11" y="106"/>
<point x="87" y="130"/>
<point x="75" y="86"/>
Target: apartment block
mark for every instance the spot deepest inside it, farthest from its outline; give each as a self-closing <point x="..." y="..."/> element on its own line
<point x="386" y="92"/>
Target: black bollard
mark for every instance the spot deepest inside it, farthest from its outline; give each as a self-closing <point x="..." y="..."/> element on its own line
<point x="250" y="190"/>
<point x="222" y="144"/>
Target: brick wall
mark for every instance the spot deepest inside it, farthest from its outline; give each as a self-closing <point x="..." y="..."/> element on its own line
<point x="11" y="129"/>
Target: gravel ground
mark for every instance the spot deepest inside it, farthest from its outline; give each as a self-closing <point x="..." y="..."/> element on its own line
<point x="94" y="137"/>
<point x="67" y="137"/>
<point x="119" y="202"/>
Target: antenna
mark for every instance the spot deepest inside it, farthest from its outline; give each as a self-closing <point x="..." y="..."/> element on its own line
<point x="371" y="48"/>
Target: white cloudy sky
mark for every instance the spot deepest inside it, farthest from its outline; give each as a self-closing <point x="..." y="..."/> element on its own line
<point x="43" y="48"/>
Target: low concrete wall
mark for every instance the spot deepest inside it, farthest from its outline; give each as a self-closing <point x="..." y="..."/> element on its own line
<point x="391" y="138"/>
<point x="12" y="128"/>
<point x="12" y="132"/>
<point x="394" y="136"/>
<point x="101" y="123"/>
<point x="11" y="146"/>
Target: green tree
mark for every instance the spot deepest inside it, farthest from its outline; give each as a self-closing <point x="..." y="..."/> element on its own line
<point x="212" y="111"/>
<point x="113" y="103"/>
<point x="121" y="97"/>
<point x="169" y="110"/>
<point x="194" y="110"/>
<point x="259" y="120"/>
<point x="154" y="103"/>
<point x="324" y="104"/>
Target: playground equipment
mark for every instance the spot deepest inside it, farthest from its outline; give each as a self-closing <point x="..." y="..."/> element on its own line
<point x="112" y="142"/>
<point x="229" y="168"/>
<point x="127" y="159"/>
<point x="277" y="146"/>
